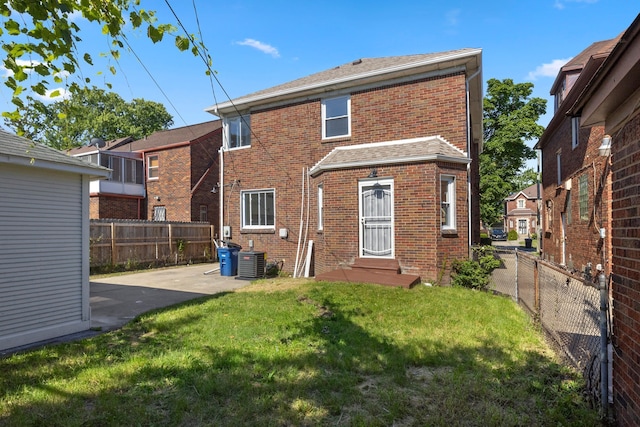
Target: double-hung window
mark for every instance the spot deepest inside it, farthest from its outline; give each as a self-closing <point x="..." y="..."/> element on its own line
<point x="447" y="202"/>
<point x="521" y="204"/>
<point x="320" y="207"/>
<point x="238" y="132"/>
<point x="258" y="209"/>
<point x="336" y="117"/>
<point x="152" y="167"/>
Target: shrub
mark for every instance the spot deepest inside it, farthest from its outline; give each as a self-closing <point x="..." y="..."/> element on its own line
<point x="475" y="273"/>
<point x="512" y="235"/>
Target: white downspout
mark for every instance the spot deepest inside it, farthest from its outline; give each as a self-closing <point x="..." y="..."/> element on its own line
<point x="469" y="142"/>
<point x="221" y="192"/>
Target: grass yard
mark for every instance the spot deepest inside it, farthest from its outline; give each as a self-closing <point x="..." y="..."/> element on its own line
<point x="288" y="352"/>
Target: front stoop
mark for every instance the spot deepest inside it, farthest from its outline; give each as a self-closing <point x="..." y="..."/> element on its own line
<point x="370" y="270"/>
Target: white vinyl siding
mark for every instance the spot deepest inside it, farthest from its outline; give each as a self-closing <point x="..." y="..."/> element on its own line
<point x="44" y="227"/>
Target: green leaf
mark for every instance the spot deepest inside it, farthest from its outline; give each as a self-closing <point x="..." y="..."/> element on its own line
<point x="154" y="34"/>
<point x="55" y="94"/>
<point x="87" y="59"/>
<point x="182" y="43"/>
<point x="62" y="116"/>
<point x="12" y="27"/>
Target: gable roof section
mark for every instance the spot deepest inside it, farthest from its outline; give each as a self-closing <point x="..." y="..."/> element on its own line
<point x="613" y="93"/>
<point x="413" y="150"/>
<point x="169" y="138"/>
<point x="109" y="145"/>
<point x="17" y="150"/>
<point x="530" y="193"/>
<point x="588" y="62"/>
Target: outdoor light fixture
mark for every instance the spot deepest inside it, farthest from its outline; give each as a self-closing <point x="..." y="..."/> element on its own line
<point x="605" y="148"/>
<point x="373" y="173"/>
<point x="157" y="198"/>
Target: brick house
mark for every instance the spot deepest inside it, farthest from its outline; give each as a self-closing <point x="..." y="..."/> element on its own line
<point x="576" y="194"/>
<point x="521" y="211"/>
<point x="611" y="100"/>
<point x="374" y="160"/>
<point x="166" y="176"/>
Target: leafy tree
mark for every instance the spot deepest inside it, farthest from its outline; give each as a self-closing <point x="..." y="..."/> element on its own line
<point x="510" y="120"/>
<point x="41" y="41"/>
<point x="88" y="113"/>
<point x="525" y="179"/>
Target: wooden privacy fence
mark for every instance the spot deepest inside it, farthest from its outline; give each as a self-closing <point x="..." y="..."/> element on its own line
<point x="128" y="243"/>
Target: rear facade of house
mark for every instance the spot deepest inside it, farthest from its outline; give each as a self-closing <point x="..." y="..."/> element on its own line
<point x="522" y="211"/>
<point x="373" y="159"/>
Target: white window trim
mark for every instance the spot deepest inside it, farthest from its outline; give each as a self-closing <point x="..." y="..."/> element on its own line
<point x="521" y="203"/>
<point x="324" y="117"/>
<point x="575" y="132"/>
<point x="451" y="191"/>
<point x="157" y="168"/>
<point x="242" y="210"/>
<point x="320" y="207"/>
<point x="227" y="137"/>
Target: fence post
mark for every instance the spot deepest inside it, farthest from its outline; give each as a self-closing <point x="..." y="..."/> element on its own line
<point x="517" y="257"/>
<point x="536" y="287"/>
<point x="114" y="246"/>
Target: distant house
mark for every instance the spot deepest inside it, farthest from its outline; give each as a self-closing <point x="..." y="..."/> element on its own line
<point x="576" y="195"/>
<point x="612" y="100"/>
<point x="375" y="161"/>
<point x="44" y="255"/>
<point x="521" y="211"/>
<point x="167" y="176"/>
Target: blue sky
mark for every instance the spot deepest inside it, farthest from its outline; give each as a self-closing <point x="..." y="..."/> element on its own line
<point x="259" y="44"/>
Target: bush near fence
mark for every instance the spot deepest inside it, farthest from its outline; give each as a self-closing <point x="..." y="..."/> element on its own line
<point x="566" y="305"/>
<point x="126" y="245"/>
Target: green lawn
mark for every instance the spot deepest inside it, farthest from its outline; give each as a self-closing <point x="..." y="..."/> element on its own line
<point x="287" y="353"/>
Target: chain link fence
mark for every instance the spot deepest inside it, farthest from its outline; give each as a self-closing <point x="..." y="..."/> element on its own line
<point x="565" y="305"/>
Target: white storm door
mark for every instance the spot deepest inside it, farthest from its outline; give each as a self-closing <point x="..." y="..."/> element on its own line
<point x="376" y="218"/>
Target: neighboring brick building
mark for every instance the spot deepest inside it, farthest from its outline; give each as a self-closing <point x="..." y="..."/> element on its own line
<point x="612" y="100"/>
<point x="521" y="211"/>
<point x="168" y="175"/>
<point x="576" y="180"/>
<point x="181" y="170"/>
<point x="387" y="148"/>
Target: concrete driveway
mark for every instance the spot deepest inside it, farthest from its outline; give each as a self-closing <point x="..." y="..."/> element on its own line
<point x="118" y="299"/>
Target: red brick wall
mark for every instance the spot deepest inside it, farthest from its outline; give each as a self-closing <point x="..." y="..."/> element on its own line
<point x="173" y="185"/>
<point x="583" y="242"/>
<point x="114" y="207"/>
<point x="626" y="273"/>
<point x="289" y="139"/>
<point x="204" y="176"/>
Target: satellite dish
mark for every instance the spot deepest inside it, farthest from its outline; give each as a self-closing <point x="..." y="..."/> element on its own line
<point x="98" y="142"/>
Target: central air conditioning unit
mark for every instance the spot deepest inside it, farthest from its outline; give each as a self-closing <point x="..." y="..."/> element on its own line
<point x="251" y="265"/>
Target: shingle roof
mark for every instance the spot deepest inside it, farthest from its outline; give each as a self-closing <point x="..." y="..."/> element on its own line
<point x="390" y="152"/>
<point x="109" y="145"/>
<point x="530" y="192"/>
<point x="172" y="136"/>
<point x="357" y="70"/>
<point x="18" y="150"/>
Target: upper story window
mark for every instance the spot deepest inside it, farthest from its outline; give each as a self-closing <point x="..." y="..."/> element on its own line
<point x="336" y="117"/>
<point x="583" y="189"/>
<point x="123" y="169"/>
<point x="575" y="131"/>
<point x="238" y="131"/>
<point x="447" y="202"/>
<point x="153" y="167"/>
<point x="521" y="203"/>
<point x="559" y="167"/>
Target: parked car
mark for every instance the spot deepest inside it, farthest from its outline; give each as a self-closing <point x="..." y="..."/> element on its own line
<point x="498" y="234"/>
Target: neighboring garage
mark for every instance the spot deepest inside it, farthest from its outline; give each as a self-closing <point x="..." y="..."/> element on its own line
<point x="44" y="242"/>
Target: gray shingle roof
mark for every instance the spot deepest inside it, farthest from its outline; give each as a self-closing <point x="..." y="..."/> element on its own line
<point x="358" y="71"/>
<point x="22" y="151"/>
<point x="390" y="152"/>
